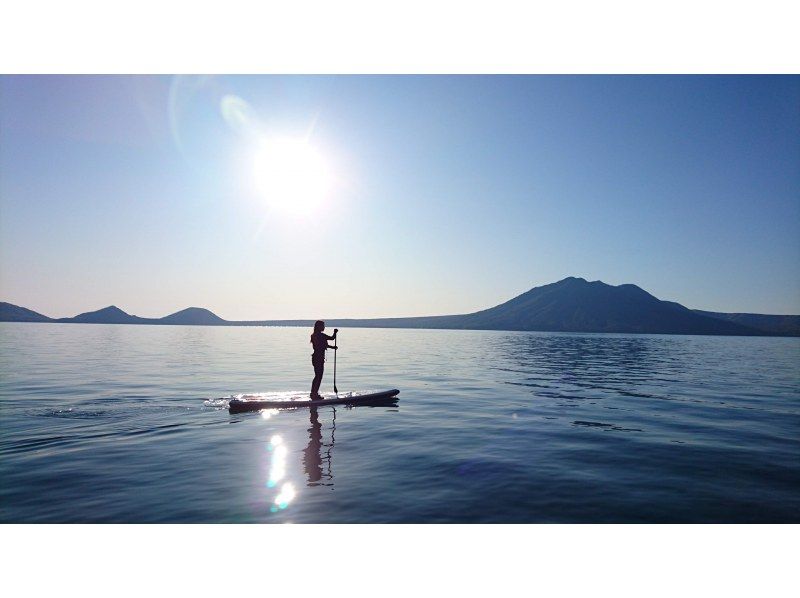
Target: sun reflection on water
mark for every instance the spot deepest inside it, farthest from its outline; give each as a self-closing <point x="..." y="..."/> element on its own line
<point x="277" y="472"/>
<point x="285" y="496"/>
<point x="278" y="463"/>
<point x="268" y="413"/>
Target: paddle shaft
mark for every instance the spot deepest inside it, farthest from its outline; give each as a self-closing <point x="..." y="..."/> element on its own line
<point x="335" y="351"/>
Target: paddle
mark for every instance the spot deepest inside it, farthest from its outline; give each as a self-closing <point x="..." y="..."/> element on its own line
<point x="335" y="351"/>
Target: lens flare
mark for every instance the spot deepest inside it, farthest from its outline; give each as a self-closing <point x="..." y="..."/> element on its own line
<point x="239" y="115"/>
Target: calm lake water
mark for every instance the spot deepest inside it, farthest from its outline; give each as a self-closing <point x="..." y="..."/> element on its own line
<point x="108" y="423"/>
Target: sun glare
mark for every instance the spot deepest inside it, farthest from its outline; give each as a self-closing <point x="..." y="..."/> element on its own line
<point x="292" y="175"/>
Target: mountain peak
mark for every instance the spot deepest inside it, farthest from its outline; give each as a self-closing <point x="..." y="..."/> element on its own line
<point x="111" y="309"/>
<point x="193" y="315"/>
<point x="107" y="315"/>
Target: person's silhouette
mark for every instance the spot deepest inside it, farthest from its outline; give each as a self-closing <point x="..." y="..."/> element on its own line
<point x="319" y="340"/>
<point x="312" y="457"/>
<point x="312" y="454"/>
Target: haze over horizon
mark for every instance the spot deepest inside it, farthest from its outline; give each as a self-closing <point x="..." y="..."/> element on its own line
<point x="430" y="195"/>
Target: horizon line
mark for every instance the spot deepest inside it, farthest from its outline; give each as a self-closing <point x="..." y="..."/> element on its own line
<point x="306" y="319"/>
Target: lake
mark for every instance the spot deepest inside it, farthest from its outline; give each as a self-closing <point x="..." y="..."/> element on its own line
<point x="115" y="423"/>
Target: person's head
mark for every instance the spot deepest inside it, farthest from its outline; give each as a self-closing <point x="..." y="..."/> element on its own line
<point x="319" y="326"/>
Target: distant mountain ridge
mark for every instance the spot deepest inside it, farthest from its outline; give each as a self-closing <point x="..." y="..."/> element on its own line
<point x="108" y="315"/>
<point x="775" y="324"/>
<point x="15" y="313"/>
<point x="569" y="305"/>
<point x="576" y="305"/>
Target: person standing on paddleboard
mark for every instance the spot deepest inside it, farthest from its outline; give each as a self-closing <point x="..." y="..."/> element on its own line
<point x="319" y="341"/>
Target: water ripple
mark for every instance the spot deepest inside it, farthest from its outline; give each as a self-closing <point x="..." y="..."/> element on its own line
<point x="108" y="424"/>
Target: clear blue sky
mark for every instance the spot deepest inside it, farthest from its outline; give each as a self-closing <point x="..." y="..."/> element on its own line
<point x="449" y="194"/>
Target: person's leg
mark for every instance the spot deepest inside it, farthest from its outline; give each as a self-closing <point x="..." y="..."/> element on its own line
<point x="319" y="366"/>
<point x="320" y="371"/>
<point x="316" y="381"/>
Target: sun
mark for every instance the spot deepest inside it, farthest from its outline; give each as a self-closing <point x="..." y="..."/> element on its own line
<point x="292" y="175"/>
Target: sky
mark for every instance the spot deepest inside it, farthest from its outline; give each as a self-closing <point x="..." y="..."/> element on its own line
<point x="420" y="195"/>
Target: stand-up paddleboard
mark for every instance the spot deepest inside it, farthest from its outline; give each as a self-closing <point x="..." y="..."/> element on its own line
<point x="283" y="400"/>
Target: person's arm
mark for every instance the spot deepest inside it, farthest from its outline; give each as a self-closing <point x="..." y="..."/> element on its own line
<point x="332" y="338"/>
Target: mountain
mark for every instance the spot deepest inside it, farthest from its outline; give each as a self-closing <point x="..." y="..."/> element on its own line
<point x="197" y="316"/>
<point x="14" y="313"/>
<point x="569" y="305"/>
<point x="779" y="325"/>
<point x="576" y="305"/>
<point x="108" y="315"/>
